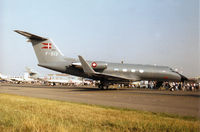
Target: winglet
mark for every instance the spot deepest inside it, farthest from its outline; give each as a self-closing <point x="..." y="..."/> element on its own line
<point x="86" y="67"/>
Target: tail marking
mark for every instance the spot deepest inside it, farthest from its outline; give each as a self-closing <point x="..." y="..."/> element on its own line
<point x="46" y="46"/>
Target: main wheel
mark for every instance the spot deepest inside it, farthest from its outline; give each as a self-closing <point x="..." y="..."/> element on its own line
<point x="105" y="86"/>
<point x="159" y="84"/>
<point x="101" y="86"/>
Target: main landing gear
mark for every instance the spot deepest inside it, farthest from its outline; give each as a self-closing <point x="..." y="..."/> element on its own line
<point x="159" y="84"/>
<point x="103" y="85"/>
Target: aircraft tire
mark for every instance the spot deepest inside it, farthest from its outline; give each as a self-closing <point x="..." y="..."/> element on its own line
<point x="106" y="87"/>
<point x="101" y="86"/>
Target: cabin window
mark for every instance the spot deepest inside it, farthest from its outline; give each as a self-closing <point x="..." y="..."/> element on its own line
<point x="124" y="70"/>
<point x="141" y="71"/>
<point x="132" y="70"/>
<point x="116" y="69"/>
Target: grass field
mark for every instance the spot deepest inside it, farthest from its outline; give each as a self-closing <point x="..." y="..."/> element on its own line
<point x="18" y="113"/>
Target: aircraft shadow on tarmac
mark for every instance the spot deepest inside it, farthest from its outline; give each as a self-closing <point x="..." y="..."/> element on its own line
<point x="132" y="91"/>
<point x="93" y="89"/>
<point x="147" y="92"/>
<point x="74" y="88"/>
<point x="137" y="92"/>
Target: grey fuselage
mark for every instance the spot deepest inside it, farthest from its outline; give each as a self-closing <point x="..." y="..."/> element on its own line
<point x="135" y="71"/>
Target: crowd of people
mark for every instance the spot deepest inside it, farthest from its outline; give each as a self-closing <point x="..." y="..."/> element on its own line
<point x="188" y="86"/>
<point x="173" y="86"/>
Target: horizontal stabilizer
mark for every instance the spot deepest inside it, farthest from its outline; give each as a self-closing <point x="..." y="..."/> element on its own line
<point x="30" y="36"/>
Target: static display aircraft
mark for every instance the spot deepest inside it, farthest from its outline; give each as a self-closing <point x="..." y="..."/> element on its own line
<point x="24" y="78"/>
<point x="53" y="79"/>
<point x="4" y="77"/>
<point x="49" y="56"/>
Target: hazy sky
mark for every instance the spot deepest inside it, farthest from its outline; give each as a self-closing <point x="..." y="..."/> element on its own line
<point x="162" y="32"/>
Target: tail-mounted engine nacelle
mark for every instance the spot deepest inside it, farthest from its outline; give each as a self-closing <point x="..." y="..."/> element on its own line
<point x="94" y="65"/>
<point x="98" y="65"/>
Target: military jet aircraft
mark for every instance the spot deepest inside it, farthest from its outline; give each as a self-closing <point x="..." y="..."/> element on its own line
<point x="49" y="56"/>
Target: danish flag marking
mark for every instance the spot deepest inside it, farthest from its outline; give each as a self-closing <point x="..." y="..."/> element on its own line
<point x="46" y="46"/>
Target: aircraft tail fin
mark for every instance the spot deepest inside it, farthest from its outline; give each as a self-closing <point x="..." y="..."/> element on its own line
<point x="45" y="50"/>
<point x="31" y="72"/>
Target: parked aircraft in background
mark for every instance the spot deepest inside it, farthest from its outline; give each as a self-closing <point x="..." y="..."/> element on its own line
<point x="49" y="56"/>
<point x="4" y="77"/>
<point x="19" y="79"/>
<point x="54" y="78"/>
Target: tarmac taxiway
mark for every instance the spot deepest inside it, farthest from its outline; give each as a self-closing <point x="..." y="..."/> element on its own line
<point x="184" y="103"/>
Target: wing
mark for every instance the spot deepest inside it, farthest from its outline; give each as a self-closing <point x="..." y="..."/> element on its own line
<point x="104" y="76"/>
